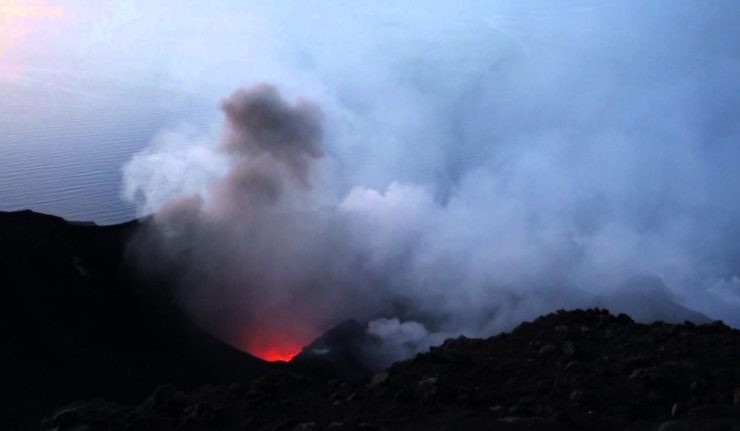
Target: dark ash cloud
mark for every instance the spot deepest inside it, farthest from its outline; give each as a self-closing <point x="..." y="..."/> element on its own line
<point x="261" y="124"/>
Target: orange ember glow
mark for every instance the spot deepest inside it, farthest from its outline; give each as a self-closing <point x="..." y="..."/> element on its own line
<point x="273" y="347"/>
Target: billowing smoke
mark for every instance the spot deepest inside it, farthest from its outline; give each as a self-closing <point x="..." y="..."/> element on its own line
<point x="530" y="159"/>
<point x="242" y="250"/>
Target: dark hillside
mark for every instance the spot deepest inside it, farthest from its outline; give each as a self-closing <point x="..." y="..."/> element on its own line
<point x="78" y="322"/>
<point x="575" y="370"/>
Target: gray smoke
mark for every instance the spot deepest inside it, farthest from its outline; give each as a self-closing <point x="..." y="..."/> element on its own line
<point x="242" y="252"/>
<point x="531" y="159"/>
<point x="260" y="124"/>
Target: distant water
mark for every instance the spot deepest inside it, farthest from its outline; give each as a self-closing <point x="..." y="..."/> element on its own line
<point x="63" y="143"/>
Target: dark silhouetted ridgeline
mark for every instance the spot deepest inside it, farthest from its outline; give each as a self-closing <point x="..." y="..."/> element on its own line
<point x="78" y="322"/>
<point x="91" y="343"/>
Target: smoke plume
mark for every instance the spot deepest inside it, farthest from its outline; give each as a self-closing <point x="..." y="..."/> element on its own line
<point x="530" y="159"/>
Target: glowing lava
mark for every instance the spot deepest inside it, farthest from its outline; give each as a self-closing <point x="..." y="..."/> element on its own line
<point x="273" y="347"/>
<point x="278" y="353"/>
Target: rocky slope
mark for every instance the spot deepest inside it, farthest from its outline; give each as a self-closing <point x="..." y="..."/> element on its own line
<point x="80" y="322"/>
<point x="575" y="370"/>
<point x="77" y="322"/>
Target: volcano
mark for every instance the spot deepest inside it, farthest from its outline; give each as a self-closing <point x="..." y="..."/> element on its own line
<point x="81" y="323"/>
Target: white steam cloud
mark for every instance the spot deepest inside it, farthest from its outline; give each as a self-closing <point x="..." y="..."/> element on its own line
<point x="461" y="169"/>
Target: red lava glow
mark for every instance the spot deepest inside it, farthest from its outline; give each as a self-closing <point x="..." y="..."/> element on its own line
<point x="273" y="347"/>
<point x="278" y="353"/>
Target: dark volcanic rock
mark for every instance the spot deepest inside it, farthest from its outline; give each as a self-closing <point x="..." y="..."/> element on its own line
<point x="78" y="323"/>
<point x="340" y="352"/>
<point x="345" y="351"/>
<point x="576" y="370"/>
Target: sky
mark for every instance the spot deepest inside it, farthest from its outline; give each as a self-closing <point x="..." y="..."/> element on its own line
<point x="484" y="161"/>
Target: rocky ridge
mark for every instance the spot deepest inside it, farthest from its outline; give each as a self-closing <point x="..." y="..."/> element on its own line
<point x="79" y="321"/>
<point x="570" y="370"/>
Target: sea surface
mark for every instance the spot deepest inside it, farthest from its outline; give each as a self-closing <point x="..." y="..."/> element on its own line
<point x="64" y="141"/>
